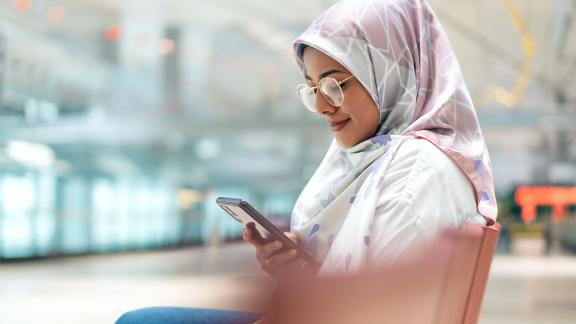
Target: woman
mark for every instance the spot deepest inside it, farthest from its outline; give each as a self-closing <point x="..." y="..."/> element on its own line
<point x="408" y="157"/>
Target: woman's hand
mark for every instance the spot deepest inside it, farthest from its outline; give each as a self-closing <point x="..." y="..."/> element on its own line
<point x="271" y="262"/>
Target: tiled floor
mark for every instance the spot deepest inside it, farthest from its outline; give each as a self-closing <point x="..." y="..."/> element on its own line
<point x="525" y="288"/>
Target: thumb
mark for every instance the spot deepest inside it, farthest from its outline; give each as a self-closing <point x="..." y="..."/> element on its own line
<point x="292" y="236"/>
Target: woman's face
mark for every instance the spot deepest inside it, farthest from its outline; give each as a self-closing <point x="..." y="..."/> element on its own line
<point x="357" y="119"/>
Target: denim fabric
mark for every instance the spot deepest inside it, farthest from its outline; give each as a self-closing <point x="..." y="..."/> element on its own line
<point x="183" y="315"/>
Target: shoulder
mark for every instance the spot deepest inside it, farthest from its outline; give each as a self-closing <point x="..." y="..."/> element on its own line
<point x="422" y="151"/>
<point x="422" y="192"/>
<point x="417" y="162"/>
<point x="428" y="182"/>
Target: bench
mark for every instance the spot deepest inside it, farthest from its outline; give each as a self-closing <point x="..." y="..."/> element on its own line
<point x="443" y="284"/>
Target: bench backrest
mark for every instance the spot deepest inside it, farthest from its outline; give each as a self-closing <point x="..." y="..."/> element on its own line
<point x="444" y="284"/>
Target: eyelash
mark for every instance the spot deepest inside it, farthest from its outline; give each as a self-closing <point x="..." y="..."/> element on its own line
<point x="342" y="86"/>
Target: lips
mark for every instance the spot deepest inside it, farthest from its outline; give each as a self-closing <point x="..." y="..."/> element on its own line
<point x="338" y="125"/>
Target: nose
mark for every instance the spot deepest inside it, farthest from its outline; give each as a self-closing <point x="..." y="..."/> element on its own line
<point x="322" y="105"/>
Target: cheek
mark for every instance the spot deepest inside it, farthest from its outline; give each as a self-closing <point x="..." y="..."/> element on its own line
<point x="364" y="111"/>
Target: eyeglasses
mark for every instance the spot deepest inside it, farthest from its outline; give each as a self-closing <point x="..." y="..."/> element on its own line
<point x="330" y="89"/>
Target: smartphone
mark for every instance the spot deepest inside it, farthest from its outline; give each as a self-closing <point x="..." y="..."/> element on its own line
<point x="244" y="213"/>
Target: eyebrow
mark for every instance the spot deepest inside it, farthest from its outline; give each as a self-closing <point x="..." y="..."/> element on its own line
<point x="325" y="74"/>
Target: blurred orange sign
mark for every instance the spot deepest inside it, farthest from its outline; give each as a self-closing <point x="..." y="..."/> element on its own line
<point x="559" y="198"/>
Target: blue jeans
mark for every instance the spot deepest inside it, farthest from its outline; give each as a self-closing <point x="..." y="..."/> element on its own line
<point x="183" y="315"/>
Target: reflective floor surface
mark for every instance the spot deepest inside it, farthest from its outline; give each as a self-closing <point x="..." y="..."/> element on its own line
<point x="525" y="288"/>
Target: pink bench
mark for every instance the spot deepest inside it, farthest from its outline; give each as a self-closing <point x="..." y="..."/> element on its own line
<point x="442" y="285"/>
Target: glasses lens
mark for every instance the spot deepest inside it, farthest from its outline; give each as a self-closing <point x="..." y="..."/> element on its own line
<point x="332" y="91"/>
<point x="307" y="96"/>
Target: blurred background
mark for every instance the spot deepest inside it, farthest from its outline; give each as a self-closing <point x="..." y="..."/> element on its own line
<point x="122" y="121"/>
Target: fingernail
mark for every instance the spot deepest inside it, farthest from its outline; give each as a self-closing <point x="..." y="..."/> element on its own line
<point x="293" y="252"/>
<point x="277" y="244"/>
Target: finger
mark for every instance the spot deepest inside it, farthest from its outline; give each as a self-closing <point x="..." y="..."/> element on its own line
<point x="267" y="249"/>
<point x="292" y="236"/>
<point x="279" y="259"/>
<point x="249" y="236"/>
<point x="253" y="234"/>
<point x="245" y="234"/>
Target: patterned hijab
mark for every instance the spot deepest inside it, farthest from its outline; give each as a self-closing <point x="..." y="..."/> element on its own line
<point x="400" y="53"/>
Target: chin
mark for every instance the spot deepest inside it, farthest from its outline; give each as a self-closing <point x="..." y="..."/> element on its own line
<point x="345" y="143"/>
